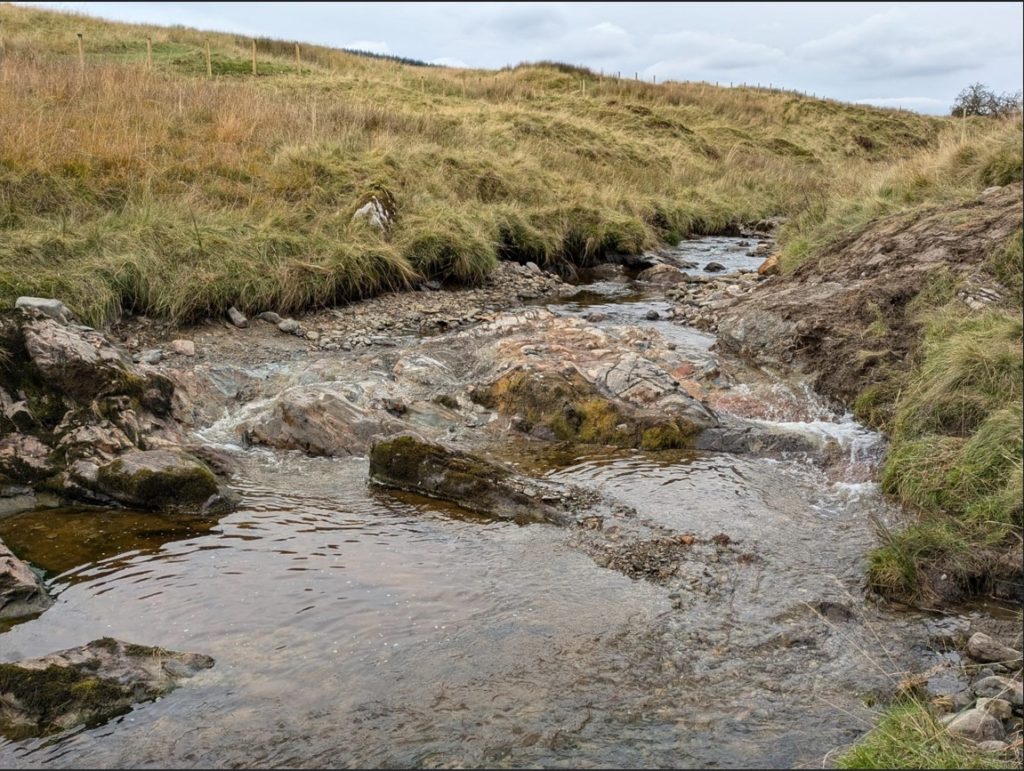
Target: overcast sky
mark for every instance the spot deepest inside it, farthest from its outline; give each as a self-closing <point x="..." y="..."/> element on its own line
<point x="913" y="55"/>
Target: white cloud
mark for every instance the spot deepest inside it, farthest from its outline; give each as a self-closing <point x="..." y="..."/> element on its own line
<point x="917" y="103"/>
<point x="856" y="36"/>
<point x="600" y="41"/>
<point x="448" y="61"/>
<point x="895" y="44"/>
<point x="696" y="51"/>
<point x="372" y="46"/>
<point x="519" y="20"/>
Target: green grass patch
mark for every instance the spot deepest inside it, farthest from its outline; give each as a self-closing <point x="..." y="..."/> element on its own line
<point x="1006" y="263"/>
<point x="908" y="735"/>
<point x="956" y="458"/>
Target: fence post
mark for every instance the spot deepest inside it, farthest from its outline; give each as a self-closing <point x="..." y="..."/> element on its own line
<point x="254" y="56"/>
<point x="298" y="58"/>
<point x="209" y="62"/>
<point x="81" y="55"/>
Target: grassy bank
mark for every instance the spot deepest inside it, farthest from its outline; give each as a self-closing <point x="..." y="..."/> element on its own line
<point x="966" y="158"/>
<point x="953" y="415"/>
<point x="954" y="418"/>
<point x="163" y="191"/>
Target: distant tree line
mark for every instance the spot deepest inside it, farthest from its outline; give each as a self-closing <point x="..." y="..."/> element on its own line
<point x="977" y="99"/>
<point x="391" y="58"/>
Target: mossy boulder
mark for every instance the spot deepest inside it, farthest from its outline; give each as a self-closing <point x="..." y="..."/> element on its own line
<point x="87" y="685"/>
<point x="70" y="401"/>
<point x="158" y="479"/>
<point x="408" y="462"/>
<point x="568" y="407"/>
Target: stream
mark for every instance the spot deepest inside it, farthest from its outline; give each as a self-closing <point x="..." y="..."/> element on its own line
<point x="353" y="627"/>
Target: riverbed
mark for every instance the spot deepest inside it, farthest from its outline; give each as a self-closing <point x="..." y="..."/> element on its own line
<point x="354" y="627"/>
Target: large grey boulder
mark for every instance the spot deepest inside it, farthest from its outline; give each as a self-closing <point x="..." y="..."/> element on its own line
<point x="24" y="459"/>
<point x="996" y="687"/>
<point x="78" y="361"/>
<point x="163" y="480"/>
<point x="662" y="274"/>
<point x="319" y="422"/>
<point x="80" y="419"/>
<point x="997" y="708"/>
<point x="237" y="317"/>
<point x="87" y="685"/>
<point x="21" y="593"/>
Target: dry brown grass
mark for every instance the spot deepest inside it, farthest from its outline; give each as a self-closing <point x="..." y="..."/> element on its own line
<point x="164" y="191"/>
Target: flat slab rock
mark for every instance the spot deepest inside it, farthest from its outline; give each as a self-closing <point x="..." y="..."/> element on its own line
<point x="408" y="462"/>
<point x="87" y="685"/>
<point x="21" y="593"/>
<point x="55" y="309"/>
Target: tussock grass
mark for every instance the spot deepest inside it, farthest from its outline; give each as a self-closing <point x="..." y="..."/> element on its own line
<point x="1007" y="265"/>
<point x="957" y="457"/>
<point x="971" y="368"/>
<point x="164" y="192"/>
<point x="908" y="735"/>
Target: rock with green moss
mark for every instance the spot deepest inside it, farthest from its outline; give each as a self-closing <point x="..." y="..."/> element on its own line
<point x="408" y="462"/>
<point x="161" y="480"/>
<point x="87" y="685"/>
<point x="21" y="592"/>
<point x="79" y="419"/>
<point x="567" y="406"/>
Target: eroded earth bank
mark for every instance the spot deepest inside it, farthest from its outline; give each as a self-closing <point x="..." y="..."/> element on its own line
<point x="540" y="522"/>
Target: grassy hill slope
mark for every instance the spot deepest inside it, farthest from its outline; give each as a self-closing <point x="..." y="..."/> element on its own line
<point x="163" y="191"/>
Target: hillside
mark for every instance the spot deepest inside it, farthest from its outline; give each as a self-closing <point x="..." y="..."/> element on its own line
<point x="165" y="192"/>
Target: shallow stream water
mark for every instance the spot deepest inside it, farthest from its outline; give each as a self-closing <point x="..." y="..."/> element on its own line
<point x="355" y="628"/>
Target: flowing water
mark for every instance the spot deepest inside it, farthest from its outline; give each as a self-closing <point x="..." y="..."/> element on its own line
<point x="356" y="628"/>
